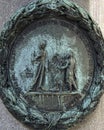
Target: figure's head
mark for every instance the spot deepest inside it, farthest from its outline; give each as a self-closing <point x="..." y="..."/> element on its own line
<point x="66" y="56"/>
<point x="42" y="45"/>
<point x="71" y="54"/>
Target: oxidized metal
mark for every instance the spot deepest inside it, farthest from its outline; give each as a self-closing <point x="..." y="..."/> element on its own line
<point x="51" y="64"/>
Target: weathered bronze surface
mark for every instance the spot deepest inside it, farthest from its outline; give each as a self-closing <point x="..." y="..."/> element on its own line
<point x="51" y="64"/>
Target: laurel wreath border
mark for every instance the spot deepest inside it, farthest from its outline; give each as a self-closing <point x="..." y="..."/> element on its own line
<point x="11" y="96"/>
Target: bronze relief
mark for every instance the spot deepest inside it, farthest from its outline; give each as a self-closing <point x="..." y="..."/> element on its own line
<point x="51" y="64"/>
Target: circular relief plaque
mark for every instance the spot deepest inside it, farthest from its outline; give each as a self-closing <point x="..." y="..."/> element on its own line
<point x="51" y="62"/>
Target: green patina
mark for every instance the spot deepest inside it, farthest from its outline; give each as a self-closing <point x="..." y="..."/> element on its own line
<point x="11" y="97"/>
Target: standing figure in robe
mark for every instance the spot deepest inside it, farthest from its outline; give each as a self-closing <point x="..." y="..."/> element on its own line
<point x="41" y="79"/>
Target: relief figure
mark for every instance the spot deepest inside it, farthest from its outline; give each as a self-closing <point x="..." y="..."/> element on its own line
<point x="65" y="73"/>
<point x="71" y="79"/>
<point x="41" y="81"/>
<point x="60" y="65"/>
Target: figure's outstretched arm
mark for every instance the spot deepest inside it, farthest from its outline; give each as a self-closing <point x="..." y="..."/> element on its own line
<point x="36" y="58"/>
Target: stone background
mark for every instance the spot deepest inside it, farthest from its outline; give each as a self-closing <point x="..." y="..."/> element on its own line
<point x="95" y="121"/>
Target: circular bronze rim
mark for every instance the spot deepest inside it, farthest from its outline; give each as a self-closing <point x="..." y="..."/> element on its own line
<point x="14" y="101"/>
